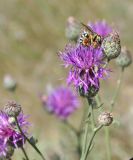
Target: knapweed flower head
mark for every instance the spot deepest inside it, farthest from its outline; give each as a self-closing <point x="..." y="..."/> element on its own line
<point x="87" y="66"/>
<point x="3" y="149"/>
<point x="101" y="27"/>
<point x="62" y="102"/>
<point x="6" y="150"/>
<point x="9" y="131"/>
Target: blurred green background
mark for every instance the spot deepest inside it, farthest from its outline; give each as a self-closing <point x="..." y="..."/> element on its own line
<point x="31" y="34"/>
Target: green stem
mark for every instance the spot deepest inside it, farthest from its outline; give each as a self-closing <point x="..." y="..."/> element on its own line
<point x="107" y="134"/>
<point x="15" y="95"/>
<point x="108" y="145"/>
<point x="85" y="138"/>
<point x="85" y="133"/>
<point x="99" y="103"/>
<point x="92" y="117"/>
<point x="25" y="154"/>
<point x="82" y="120"/>
<point x="88" y="147"/>
<point x="117" y="90"/>
<point x="34" y="146"/>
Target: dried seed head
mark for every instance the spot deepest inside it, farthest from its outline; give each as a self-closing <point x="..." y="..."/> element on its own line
<point x="111" y="45"/>
<point x="105" y="119"/>
<point x="124" y="59"/>
<point x="9" y="83"/>
<point x="12" y="108"/>
<point x="72" y="29"/>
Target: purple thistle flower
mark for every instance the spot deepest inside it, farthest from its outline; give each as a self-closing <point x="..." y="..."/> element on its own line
<point x="86" y="66"/>
<point x="6" y="150"/>
<point x="9" y="132"/>
<point x="3" y="148"/>
<point x="62" y="102"/>
<point x="101" y="27"/>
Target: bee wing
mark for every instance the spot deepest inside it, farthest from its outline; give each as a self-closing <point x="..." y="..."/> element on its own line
<point x="87" y="28"/>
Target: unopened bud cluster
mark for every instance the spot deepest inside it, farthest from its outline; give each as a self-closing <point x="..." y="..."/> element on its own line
<point x="105" y="119"/>
<point x="124" y="59"/>
<point x="12" y="108"/>
<point x="111" y="45"/>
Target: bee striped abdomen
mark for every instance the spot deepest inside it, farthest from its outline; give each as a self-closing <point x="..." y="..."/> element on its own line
<point x="97" y="40"/>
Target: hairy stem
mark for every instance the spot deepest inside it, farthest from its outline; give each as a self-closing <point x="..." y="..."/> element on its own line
<point x="85" y="133"/>
<point x="34" y="146"/>
<point x="83" y="120"/>
<point x="106" y="133"/>
<point x="92" y="117"/>
<point x="89" y="145"/>
<point x="25" y="154"/>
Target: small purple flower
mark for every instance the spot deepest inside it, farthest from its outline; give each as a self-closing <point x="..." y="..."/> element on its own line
<point x="86" y="66"/>
<point x="62" y="102"/>
<point x="101" y="27"/>
<point x="9" y="132"/>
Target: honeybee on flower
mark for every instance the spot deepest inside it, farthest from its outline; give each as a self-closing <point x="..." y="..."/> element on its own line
<point x="90" y="38"/>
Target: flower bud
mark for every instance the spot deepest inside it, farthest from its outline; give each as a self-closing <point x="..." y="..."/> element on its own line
<point x="124" y="59"/>
<point x="111" y="45"/>
<point x="72" y="29"/>
<point x="33" y="140"/>
<point x="105" y="119"/>
<point x="12" y="108"/>
<point x="91" y="92"/>
<point x="9" y="83"/>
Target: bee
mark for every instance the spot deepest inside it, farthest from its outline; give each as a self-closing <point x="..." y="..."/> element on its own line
<point x="90" y="38"/>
